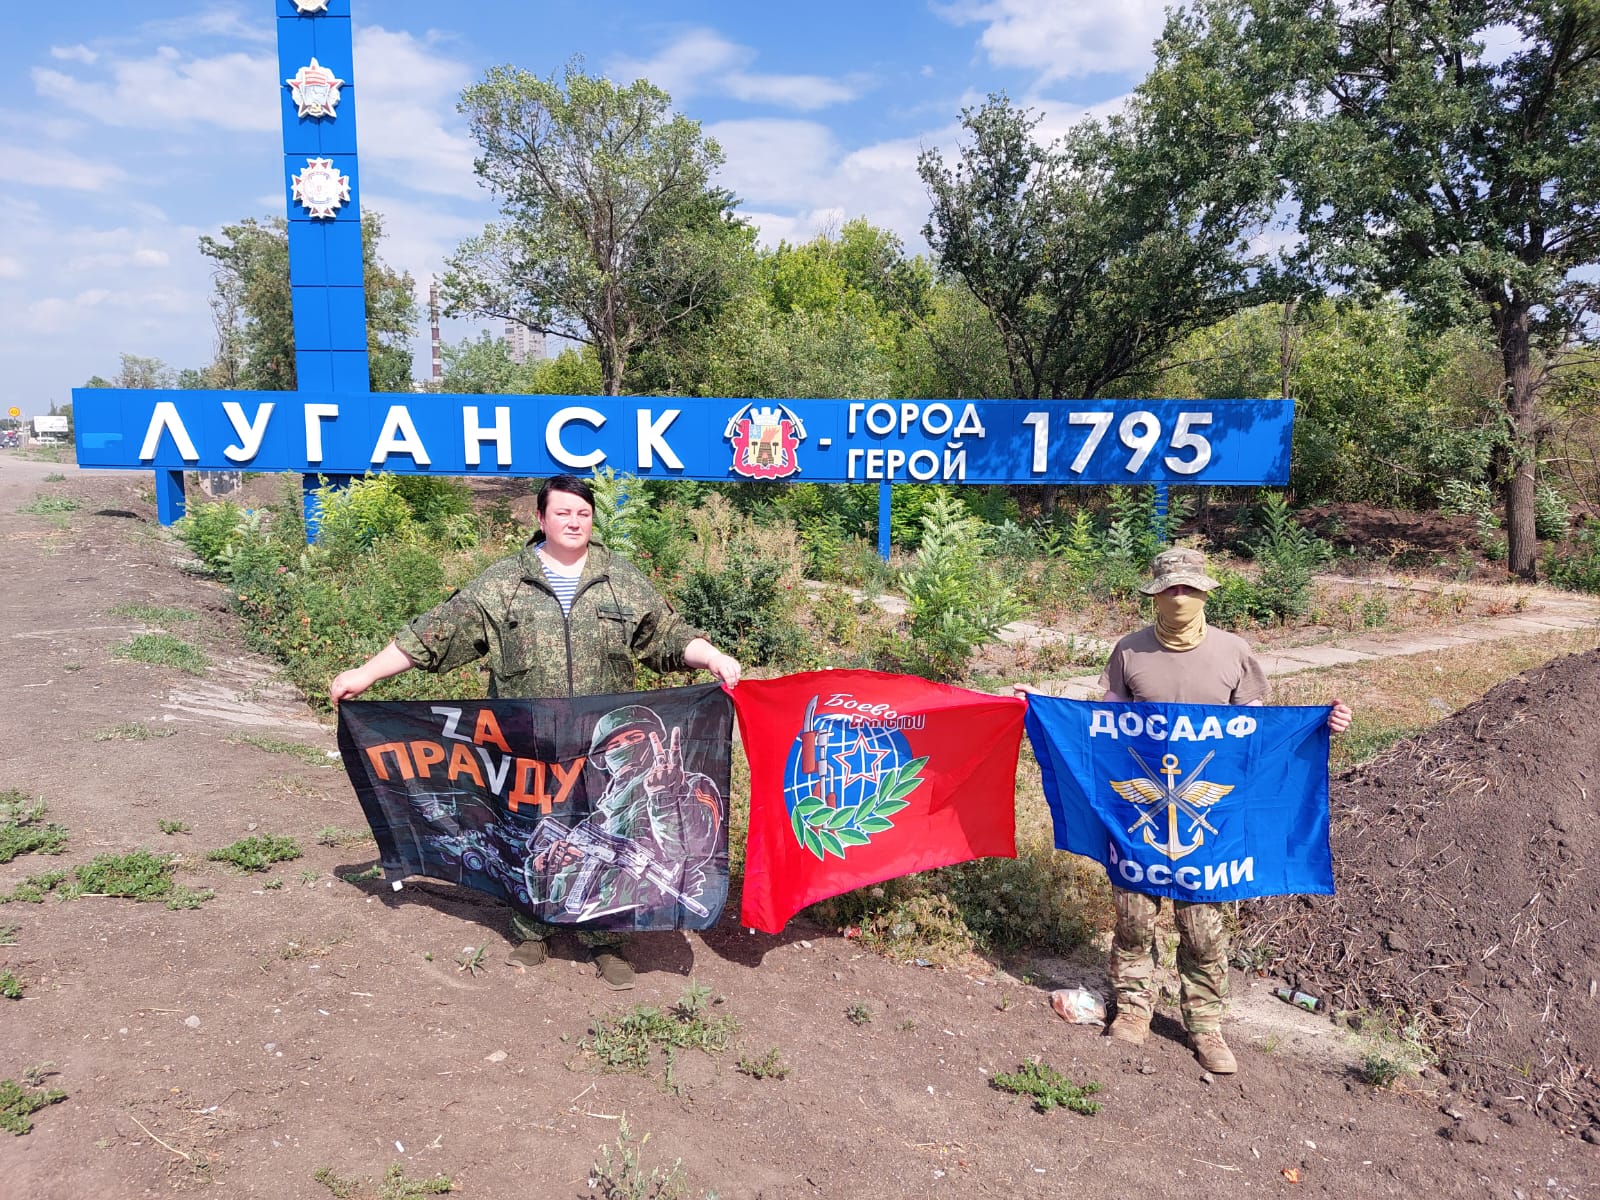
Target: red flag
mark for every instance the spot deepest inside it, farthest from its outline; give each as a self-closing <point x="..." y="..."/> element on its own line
<point x="860" y="776"/>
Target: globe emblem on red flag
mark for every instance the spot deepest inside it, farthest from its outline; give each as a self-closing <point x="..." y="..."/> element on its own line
<point x="843" y="782"/>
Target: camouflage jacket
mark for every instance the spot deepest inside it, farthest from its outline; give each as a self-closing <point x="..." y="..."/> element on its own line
<point x="510" y="615"/>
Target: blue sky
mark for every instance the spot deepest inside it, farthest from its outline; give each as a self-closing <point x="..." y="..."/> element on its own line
<point x="130" y="130"/>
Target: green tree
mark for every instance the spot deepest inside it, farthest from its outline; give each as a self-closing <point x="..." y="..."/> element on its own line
<point x="137" y="372"/>
<point x="1387" y="408"/>
<point x="1094" y="254"/>
<point x="485" y="365"/>
<point x="252" y="307"/>
<point x="1424" y="163"/>
<point x="613" y="234"/>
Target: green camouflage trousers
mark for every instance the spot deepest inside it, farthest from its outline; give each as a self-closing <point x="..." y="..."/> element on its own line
<point x="1202" y="959"/>
<point x="531" y="929"/>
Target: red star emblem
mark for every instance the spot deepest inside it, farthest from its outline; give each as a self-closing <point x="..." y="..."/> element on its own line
<point x="863" y="770"/>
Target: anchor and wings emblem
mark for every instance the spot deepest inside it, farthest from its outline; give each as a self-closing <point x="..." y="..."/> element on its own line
<point x="1191" y="797"/>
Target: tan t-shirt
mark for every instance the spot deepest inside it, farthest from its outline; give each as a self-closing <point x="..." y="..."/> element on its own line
<point x="1222" y="669"/>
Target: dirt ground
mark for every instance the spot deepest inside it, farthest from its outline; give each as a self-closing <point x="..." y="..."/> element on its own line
<point x="277" y="1030"/>
<point x="1464" y="862"/>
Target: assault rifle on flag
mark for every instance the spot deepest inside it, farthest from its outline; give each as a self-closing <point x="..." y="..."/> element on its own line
<point x="600" y="852"/>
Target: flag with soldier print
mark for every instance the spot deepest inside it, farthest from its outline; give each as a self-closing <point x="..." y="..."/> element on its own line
<point x="605" y="811"/>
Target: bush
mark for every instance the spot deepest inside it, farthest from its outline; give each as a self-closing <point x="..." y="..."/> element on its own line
<point x="1550" y="513"/>
<point x="738" y="581"/>
<point x="1288" y="557"/>
<point x="1579" y="569"/>
<point x="210" y="530"/>
<point x="956" y="602"/>
<point x="360" y="515"/>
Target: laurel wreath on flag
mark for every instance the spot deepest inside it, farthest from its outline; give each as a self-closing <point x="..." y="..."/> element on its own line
<point x="823" y="830"/>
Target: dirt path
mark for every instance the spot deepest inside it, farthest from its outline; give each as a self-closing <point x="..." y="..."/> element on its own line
<point x="298" y="1021"/>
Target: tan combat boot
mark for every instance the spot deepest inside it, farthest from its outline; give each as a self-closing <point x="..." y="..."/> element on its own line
<point x="530" y="953"/>
<point x="614" y="970"/>
<point x="1130" y="1027"/>
<point x="1213" y="1053"/>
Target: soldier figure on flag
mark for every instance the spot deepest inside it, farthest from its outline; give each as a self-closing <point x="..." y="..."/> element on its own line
<point x="652" y="831"/>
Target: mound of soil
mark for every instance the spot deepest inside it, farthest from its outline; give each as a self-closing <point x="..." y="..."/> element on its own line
<point x="1466" y="900"/>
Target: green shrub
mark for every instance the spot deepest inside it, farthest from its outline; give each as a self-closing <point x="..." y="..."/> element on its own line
<point x="956" y="603"/>
<point x="23" y="830"/>
<point x="1551" y="516"/>
<point x="209" y="529"/>
<point x="137" y="875"/>
<point x="257" y="852"/>
<point x="1287" y="556"/>
<point x="1579" y="569"/>
<point x="1235" y="603"/>
<point x="1049" y="1088"/>
<point x="739" y="581"/>
<point x="362" y="514"/>
<point x="18" y="1104"/>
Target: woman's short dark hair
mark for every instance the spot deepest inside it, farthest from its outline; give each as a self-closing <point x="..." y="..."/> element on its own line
<point x="570" y="484"/>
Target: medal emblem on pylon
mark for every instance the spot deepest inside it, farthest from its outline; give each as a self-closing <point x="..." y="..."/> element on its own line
<point x="321" y="188"/>
<point x="315" y="90"/>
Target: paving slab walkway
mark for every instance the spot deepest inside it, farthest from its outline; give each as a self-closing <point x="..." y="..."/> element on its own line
<point x="1533" y="610"/>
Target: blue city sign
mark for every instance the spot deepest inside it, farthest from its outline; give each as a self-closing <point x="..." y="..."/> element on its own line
<point x="667" y="437"/>
<point x="333" y="426"/>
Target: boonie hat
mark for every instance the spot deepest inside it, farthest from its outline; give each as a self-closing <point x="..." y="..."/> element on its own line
<point x="1178" y="567"/>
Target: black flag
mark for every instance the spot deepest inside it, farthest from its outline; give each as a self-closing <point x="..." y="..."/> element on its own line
<point x="610" y="811"/>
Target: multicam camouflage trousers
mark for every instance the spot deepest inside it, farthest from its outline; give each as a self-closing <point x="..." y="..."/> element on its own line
<point x="531" y="929"/>
<point x="1202" y="959"/>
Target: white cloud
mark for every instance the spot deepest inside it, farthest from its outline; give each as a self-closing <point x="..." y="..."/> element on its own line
<point x="78" y="294"/>
<point x="219" y="21"/>
<point x="409" y="127"/>
<point x="168" y="89"/>
<point x="702" y="61"/>
<point x="55" y="169"/>
<point x="143" y="257"/>
<point x="775" y="159"/>
<point x="683" y="66"/>
<point x="799" y="181"/>
<point x="78" y="53"/>
<point x="1063" y="40"/>
<point x="417" y="237"/>
<point x="805" y="93"/>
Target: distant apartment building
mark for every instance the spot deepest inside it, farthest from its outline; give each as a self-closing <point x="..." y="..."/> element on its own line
<point x="523" y="344"/>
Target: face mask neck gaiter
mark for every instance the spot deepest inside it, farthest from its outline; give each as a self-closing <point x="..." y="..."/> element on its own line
<point x="1180" y="620"/>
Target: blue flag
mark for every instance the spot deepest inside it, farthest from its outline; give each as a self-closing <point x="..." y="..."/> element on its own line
<point x="1193" y="801"/>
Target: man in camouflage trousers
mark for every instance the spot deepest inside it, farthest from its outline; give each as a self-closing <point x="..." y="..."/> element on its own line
<point x="1180" y="660"/>
<point x="563" y="617"/>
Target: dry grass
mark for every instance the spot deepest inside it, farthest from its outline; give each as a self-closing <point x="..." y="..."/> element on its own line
<point x="1397" y="697"/>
